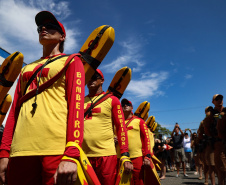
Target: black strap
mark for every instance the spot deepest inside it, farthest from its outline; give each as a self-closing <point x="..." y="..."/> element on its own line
<point x="2" y="113"/>
<point x="3" y="101"/>
<point x="96" y="40"/>
<point x="94" y="63"/>
<point x="114" y="89"/>
<point x="40" y="68"/>
<point x="139" y="114"/>
<point x="115" y="92"/>
<point x="95" y="103"/>
<point x="131" y="119"/>
<point x="3" y="81"/>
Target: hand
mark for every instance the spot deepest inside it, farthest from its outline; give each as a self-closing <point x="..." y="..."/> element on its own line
<point x="146" y="162"/>
<point x="3" y="168"/>
<point x="190" y="130"/>
<point x="128" y="167"/>
<point x="185" y="130"/>
<point x="66" y="173"/>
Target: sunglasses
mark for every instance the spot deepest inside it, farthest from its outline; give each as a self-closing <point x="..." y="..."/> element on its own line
<point x="95" y="77"/>
<point x="49" y="26"/>
<point x="218" y="98"/>
<point x="126" y="104"/>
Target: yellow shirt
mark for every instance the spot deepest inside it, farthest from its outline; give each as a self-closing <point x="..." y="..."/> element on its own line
<point x="139" y="142"/>
<point x="44" y="132"/>
<point x="98" y="127"/>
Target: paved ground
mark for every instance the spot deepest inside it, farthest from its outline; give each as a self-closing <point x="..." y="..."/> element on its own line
<point x="171" y="179"/>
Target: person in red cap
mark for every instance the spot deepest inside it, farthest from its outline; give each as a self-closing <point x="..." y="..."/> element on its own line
<point x="103" y="112"/>
<point x="139" y="142"/>
<point x="34" y="146"/>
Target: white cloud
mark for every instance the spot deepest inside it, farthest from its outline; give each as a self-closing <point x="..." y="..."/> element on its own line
<point x="148" y="85"/>
<point x="188" y="76"/>
<point x="130" y="55"/>
<point x="172" y="64"/>
<point x="19" y="31"/>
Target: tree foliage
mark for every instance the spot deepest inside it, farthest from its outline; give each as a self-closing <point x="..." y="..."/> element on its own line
<point x="162" y="130"/>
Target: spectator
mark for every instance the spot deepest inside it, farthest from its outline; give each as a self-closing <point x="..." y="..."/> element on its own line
<point x="187" y="149"/>
<point x="178" y="148"/>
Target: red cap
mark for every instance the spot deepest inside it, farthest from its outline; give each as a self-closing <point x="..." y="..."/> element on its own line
<point x="124" y="101"/>
<point x="100" y="73"/>
<point x="44" y="16"/>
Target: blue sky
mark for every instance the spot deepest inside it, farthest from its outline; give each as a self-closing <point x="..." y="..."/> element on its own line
<point x="175" y="48"/>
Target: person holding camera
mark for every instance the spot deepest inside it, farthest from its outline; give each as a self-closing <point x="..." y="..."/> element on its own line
<point x="178" y="148"/>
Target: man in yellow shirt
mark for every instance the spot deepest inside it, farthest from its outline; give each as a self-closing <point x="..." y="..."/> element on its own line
<point x="139" y="142"/>
<point x="98" y="143"/>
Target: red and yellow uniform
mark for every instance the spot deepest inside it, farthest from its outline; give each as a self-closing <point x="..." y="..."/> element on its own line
<point x="139" y="146"/>
<point x="58" y="117"/>
<point x="98" y="143"/>
<point x="152" y="141"/>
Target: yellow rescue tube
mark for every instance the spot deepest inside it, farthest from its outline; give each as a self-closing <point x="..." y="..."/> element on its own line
<point x="120" y="82"/>
<point x="97" y="46"/>
<point x="4" y="107"/>
<point x="146" y="117"/>
<point x="87" y="174"/>
<point x="142" y="110"/>
<point x="9" y="71"/>
<point x="151" y="124"/>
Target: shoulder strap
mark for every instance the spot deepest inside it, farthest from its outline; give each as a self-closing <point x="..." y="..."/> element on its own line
<point x="48" y="83"/>
<point x="100" y="100"/>
<point x="131" y="119"/>
<point x="41" y="67"/>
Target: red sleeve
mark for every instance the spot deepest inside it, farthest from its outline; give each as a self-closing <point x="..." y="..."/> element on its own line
<point x="75" y="90"/>
<point x="119" y="122"/>
<point x="11" y="123"/>
<point x="144" y="138"/>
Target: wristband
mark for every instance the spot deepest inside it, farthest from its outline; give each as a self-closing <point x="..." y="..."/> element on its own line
<point x="148" y="155"/>
<point x="125" y="154"/>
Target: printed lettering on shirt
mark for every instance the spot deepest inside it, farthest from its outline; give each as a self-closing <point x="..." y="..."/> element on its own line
<point x="77" y="114"/>
<point x="123" y="134"/>
<point x="78" y="97"/>
<point x="77" y="123"/>
<point x="79" y="75"/>
<point x="78" y="89"/>
<point x="77" y="105"/>
<point x="76" y="141"/>
<point x="78" y="81"/>
<point x="120" y="116"/>
<point x="123" y="143"/>
<point x="76" y="133"/>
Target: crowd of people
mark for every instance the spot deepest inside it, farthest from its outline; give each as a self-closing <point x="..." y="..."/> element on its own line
<point x="203" y="152"/>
